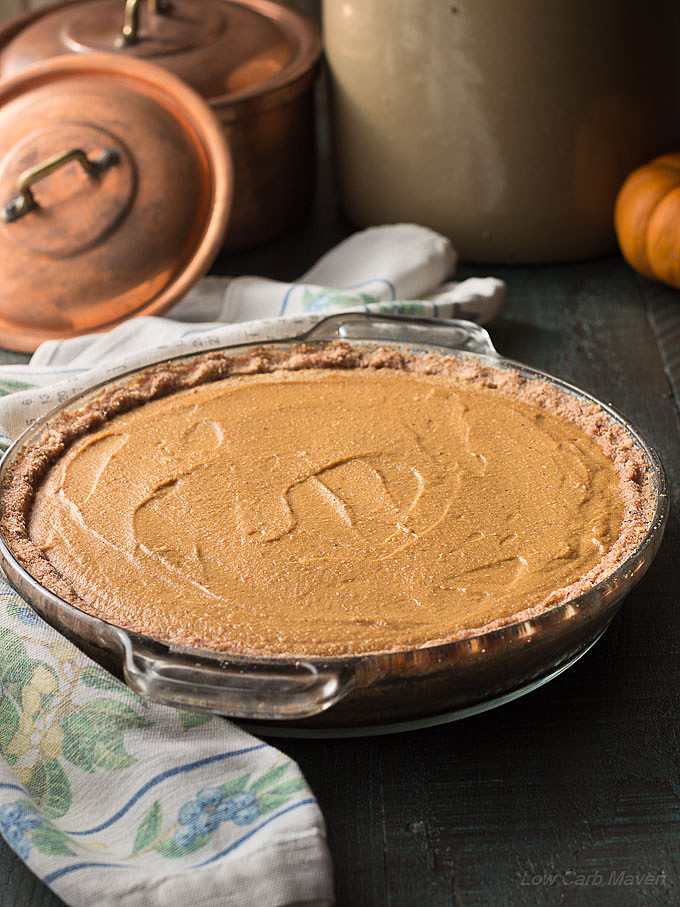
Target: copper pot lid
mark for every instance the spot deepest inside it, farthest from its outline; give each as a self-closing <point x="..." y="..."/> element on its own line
<point x="226" y="50"/>
<point x="115" y="183"/>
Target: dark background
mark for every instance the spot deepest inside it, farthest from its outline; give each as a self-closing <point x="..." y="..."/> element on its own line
<point x="579" y="777"/>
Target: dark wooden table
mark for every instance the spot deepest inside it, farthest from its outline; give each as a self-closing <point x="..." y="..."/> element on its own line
<point x="551" y="799"/>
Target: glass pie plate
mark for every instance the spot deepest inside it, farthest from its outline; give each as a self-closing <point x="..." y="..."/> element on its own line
<point x="371" y="693"/>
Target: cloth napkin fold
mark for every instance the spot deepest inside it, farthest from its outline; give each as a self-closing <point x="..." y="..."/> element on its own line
<point x="112" y="800"/>
<point x="394" y="269"/>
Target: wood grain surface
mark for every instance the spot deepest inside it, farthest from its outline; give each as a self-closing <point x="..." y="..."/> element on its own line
<point x="579" y="779"/>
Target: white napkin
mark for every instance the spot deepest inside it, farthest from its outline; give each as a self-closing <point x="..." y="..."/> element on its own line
<point x="398" y="268"/>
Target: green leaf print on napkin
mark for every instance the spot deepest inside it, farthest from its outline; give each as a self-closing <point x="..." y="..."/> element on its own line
<point x="93" y="736"/>
<point x="11" y="385"/>
<point x="147" y="833"/>
<point x="96" y="679"/>
<point x="192" y="719"/>
<point x="279" y="795"/>
<point x="269" y="778"/>
<point x="235" y="786"/>
<point x="315" y="300"/>
<point x="9" y="725"/>
<point x="49" y="840"/>
<point x="17" y="669"/>
<point x="50" y="788"/>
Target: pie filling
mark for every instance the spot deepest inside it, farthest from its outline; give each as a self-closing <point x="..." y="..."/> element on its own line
<point x="332" y="508"/>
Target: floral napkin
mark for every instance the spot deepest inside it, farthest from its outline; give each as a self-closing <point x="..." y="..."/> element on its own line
<point x="113" y="800"/>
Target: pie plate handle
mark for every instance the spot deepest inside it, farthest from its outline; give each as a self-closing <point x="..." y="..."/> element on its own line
<point x="240" y="688"/>
<point x="453" y="333"/>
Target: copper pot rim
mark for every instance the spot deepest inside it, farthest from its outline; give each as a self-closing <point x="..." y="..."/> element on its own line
<point x="228" y="110"/>
<point x="303" y="63"/>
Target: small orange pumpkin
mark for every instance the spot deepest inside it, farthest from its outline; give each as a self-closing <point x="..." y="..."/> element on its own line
<point x="647" y="219"/>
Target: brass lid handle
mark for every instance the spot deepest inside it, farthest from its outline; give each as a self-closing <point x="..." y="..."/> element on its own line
<point x="130" y="32"/>
<point x="24" y="200"/>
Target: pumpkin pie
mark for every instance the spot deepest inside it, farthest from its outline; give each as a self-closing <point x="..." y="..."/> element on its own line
<point x="325" y="500"/>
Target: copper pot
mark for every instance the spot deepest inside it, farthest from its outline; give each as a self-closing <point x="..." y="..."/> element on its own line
<point x="115" y="186"/>
<point x="255" y="61"/>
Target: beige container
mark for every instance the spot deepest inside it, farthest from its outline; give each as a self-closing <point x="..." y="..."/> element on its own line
<point x="508" y="126"/>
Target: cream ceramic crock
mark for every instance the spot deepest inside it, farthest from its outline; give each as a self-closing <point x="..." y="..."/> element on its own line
<point x="508" y="126"/>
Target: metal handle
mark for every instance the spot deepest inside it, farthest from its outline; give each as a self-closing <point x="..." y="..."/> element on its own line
<point x="254" y="689"/>
<point x="453" y="333"/>
<point x="130" y="33"/>
<point x="24" y="201"/>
